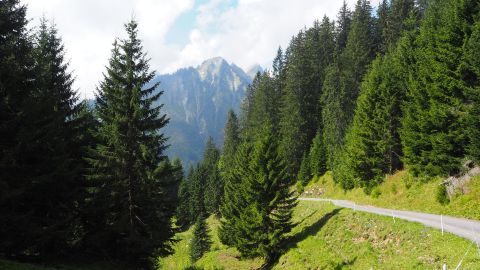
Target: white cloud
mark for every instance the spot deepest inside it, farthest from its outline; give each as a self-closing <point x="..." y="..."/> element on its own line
<point x="246" y="34"/>
<point x="88" y="28"/>
<point x="251" y="32"/>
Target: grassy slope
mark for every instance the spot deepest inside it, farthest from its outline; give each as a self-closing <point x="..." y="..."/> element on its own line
<point x="395" y="194"/>
<point x="332" y="238"/>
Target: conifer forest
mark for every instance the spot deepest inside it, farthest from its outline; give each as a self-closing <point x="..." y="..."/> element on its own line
<point x="375" y="90"/>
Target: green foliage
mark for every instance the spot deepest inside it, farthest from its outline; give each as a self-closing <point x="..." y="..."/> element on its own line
<point x="441" y="195"/>
<point x="264" y="214"/>
<point x="318" y="156"/>
<point x="373" y="146"/>
<point x="304" y="174"/>
<point x="310" y="53"/>
<point x="234" y="201"/>
<point x="134" y="188"/>
<point x="201" y="240"/>
<point x="433" y="135"/>
<point x="472" y="77"/>
<point x="214" y="183"/>
<point x="230" y="145"/>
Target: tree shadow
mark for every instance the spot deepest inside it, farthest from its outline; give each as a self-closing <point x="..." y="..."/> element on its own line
<point x="340" y="266"/>
<point x="292" y="241"/>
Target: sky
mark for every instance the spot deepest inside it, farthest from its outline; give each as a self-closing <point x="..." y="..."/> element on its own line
<point x="177" y="33"/>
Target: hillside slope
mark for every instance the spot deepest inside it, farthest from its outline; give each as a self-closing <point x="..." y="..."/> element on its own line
<point x="329" y="237"/>
<point x="400" y="191"/>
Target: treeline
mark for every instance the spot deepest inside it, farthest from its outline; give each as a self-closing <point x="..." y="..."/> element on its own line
<point x="372" y="92"/>
<point x="74" y="179"/>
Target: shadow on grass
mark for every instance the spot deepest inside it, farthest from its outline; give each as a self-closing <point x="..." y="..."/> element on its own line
<point x="292" y="241"/>
<point x="340" y="266"/>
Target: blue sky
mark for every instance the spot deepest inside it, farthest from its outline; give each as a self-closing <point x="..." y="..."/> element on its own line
<point x="178" y="33"/>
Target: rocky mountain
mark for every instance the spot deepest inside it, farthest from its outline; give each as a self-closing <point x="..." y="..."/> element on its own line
<point x="197" y="101"/>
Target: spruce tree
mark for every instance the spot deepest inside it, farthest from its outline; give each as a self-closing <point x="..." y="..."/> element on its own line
<point x="233" y="201"/>
<point x="230" y="144"/>
<point x="304" y="174"/>
<point x="214" y="183"/>
<point x="184" y="212"/>
<point x="373" y="148"/>
<point x="433" y="133"/>
<point x="16" y="91"/>
<point x="58" y="155"/>
<point x="133" y="192"/>
<point x="261" y="225"/>
<point x="343" y="23"/>
<point x="200" y="242"/>
<point x="318" y="156"/>
<point x="343" y="78"/>
<point x="472" y="66"/>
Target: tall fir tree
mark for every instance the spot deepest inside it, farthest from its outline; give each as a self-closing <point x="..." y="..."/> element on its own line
<point x="16" y="91"/>
<point x="265" y="218"/>
<point x="233" y="201"/>
<point x="472" y="66"/>
<point x="373" y="147"/>
<point x="312" y="51"/>
<point x="342" y="27"/>
<point x="230" y="144"/>
<point x="433" y="133"/>
<point x="343" y="78"/>
<point x="214" y="183"/>
<point x="318" y="156"/>
<point x="184" y="213"/>
<point x="133" y="192"/>
<point x="200" y="242"/>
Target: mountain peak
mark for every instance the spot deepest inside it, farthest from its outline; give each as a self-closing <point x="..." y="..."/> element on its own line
<point x="212" y="67"/>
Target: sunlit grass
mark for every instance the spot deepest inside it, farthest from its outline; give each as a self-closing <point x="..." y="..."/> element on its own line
<point x="327" y="237"/>
<point x="400" y="191"/>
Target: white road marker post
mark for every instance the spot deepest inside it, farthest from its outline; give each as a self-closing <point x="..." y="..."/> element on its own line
<point x="441" y="220"/>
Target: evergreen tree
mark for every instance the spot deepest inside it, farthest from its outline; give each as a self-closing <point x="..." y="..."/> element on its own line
<point x="56" y="156"/>
<point x="264" y="109"/>
<point x="317" y="156"/>
<point x="333" y="118"/>
<point x="230" y="144"/>
<point x="311" y="53"/>
<point x="260" y="226"/>
<point x="342" y="80"/>
<point x="373" y="148"/>
<point x="342" y="29"/>
<point x="16" y="91"/>
<point x="433" y="133"/>
<point x="133" y="192"/>
<point x="304" y="174"/>
<point x="200" y="242"/>
<point x="233" y="201"/>
<point x="214" y="183"/>
<point x="184" y="213"/>
<point x="472" y="66"/>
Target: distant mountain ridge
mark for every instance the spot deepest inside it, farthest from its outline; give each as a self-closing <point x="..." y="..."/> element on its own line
<point x="197" y="101"/>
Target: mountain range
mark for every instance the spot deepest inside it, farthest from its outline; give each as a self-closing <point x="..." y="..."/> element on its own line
<point x="197" y="101"/>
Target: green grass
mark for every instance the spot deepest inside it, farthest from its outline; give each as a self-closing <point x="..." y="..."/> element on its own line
<point x="328" y="237"/>
<point x="400" y="191"/>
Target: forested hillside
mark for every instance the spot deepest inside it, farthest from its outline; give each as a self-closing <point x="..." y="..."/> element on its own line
<point x="368" y="93"/>
<point x="374" y="91"/>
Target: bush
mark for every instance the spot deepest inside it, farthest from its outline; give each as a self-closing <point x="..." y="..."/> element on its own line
<point x="376" y="193"/>
<point x="442" y="195"/>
